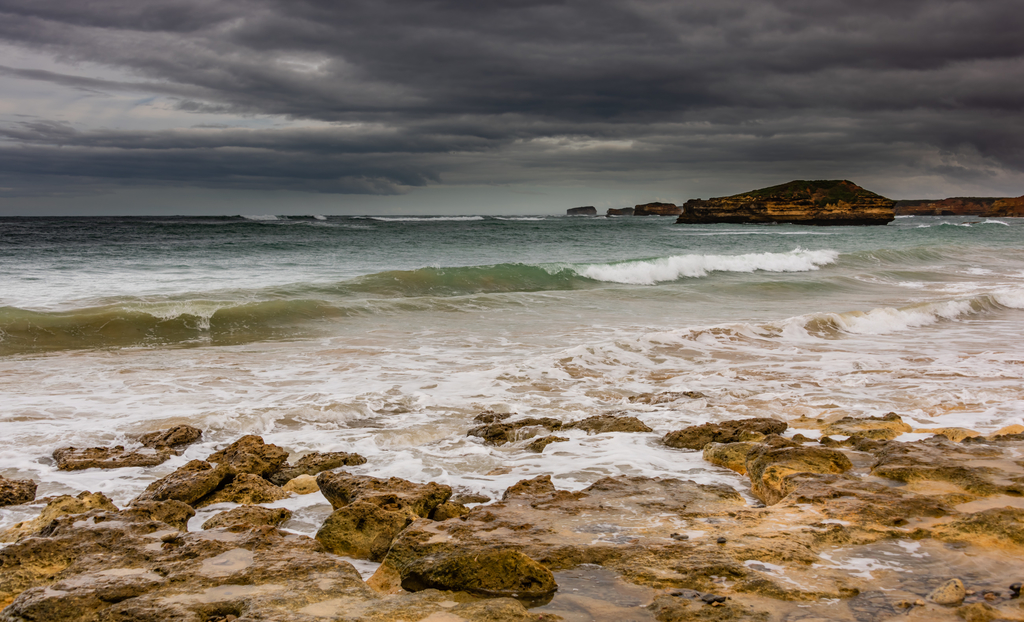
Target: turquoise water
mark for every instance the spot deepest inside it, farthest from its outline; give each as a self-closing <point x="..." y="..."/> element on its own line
<point x="386" y="336"/>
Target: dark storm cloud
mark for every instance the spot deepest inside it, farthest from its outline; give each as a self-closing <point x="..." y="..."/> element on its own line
<point x="409" y="92"/>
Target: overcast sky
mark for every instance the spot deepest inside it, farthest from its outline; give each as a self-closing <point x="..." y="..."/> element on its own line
<point x="418" y="106"/>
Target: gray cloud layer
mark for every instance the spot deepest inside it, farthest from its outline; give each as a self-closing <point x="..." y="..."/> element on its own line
<point x="380" y="96"/>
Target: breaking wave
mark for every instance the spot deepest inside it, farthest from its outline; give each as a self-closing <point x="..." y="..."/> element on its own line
<point x="695" y="266"/>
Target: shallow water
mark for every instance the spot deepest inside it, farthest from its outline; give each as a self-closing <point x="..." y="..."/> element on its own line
<point x="387" y="336"/>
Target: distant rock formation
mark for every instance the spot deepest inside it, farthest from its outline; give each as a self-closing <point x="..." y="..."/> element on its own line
<point x="1006" y="207"/>
<point x="657" y="209"/>
<point x="589" y="210"/>
<point x="819" y="202"/>
<point x="623" y="211"/>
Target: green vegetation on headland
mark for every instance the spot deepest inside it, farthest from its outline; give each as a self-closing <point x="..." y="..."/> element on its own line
<point x="816" y="202"/>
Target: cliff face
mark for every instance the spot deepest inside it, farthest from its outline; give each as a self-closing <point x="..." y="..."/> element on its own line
<point x="624" y="211"/>
<point x="657" y="209"/>
<point x="589" y="210"/>
<point x="1008" y="207"/>
<point x="820" y="202"/>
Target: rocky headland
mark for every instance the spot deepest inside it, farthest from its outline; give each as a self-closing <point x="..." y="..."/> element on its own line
<point x="657" y="209"/>
<point x="988" y="207"/>
<point x="852" y="525"/>
<point x="820" y="202"/>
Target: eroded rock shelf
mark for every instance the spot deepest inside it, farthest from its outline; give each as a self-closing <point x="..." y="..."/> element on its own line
<point x="853" y="525"/>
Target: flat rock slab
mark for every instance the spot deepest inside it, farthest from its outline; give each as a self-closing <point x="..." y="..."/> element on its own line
<point x="76" y="459"/>
<point x="177" y="437"/>
<point x="886" y="427"/>
<point x="188" y="484"/>
<point x="696" y="437"/>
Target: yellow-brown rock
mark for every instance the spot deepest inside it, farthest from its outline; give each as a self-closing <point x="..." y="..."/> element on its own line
<point x="819" y="202"/>
<point x="657" y="209"/>
<point x="1012" y="207"/>
<point x="954" y="434"/>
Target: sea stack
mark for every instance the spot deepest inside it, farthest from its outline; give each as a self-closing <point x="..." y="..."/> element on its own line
<point x="620" y="211"/>
<point x="800" y="202"/>
<point x="589" y="210"/>
<point x="657" y="209"/>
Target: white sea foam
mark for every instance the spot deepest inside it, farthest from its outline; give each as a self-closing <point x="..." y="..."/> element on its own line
<point x="519" y="218"/>
<point x="1013" y="298"/>
<point x="679" y="266"/>
<point x="259" y="217"/>
<point x="319" y="217"/>
<point x="425" y="218"/>
<point x="888" y="320"/>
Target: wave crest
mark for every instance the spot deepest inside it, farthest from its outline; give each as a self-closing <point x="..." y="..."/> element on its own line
<point x="695" y="266"/>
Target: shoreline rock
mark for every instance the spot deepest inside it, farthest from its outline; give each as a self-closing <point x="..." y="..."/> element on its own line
<point x="16" y="491"/>
<point x="701" y="551"/>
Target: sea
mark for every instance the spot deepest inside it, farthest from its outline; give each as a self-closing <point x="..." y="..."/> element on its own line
<point x="386" y="336"/>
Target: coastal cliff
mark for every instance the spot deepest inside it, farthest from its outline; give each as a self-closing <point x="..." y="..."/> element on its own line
<point x="657" y="209"/>
<point x="1006" y="207"/>
<point x="819" y="202"/>
<point x="588" y="210"/>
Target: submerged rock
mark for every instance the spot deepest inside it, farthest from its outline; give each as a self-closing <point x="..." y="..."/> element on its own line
<point x="886" y="427"/>
<point x="250" y="454"/>
<point x="314" y="463"/>
<point x="176" y="437"/>
<point x="538" y="445"/>
<point x="696" y="437"/>
<point x="508" y="431"/>
<point x="951" y="592"/>
<point x="75" y="459"/>
<point x="672" y="609"/>
<point x="16" y="491"/>
<point x="665" y="398"/>
<point x="601" y="424"/>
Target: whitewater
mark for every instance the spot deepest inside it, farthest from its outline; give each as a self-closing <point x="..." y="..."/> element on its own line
<point x="386" y="335"/>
